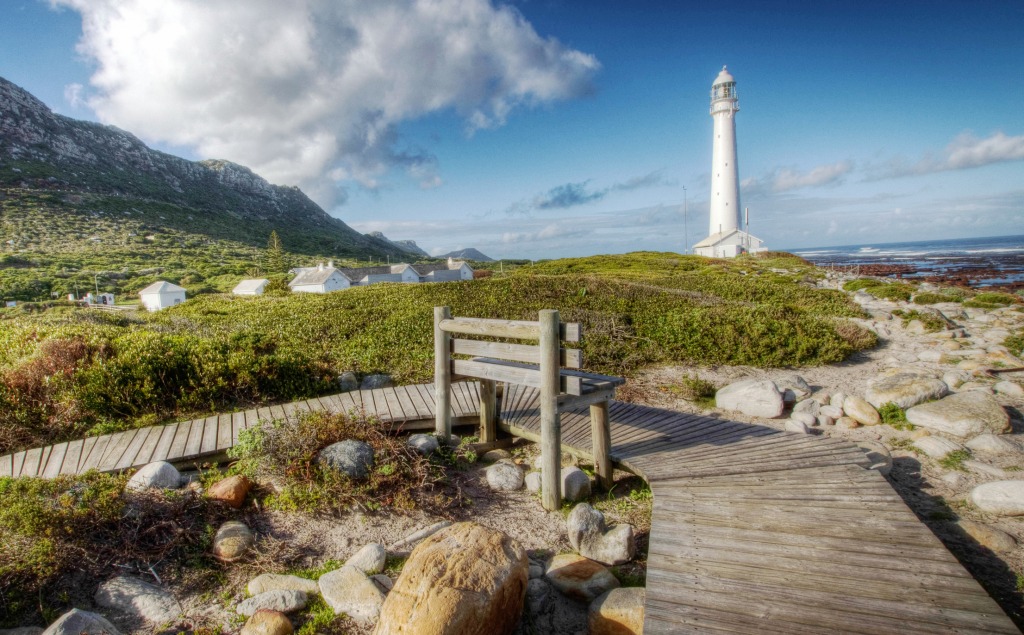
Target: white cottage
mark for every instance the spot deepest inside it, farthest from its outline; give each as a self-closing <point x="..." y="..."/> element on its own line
<point x="251" y="287"/>
<point x="161" y="295"/>
<point x="728" y="244"/>
<point x="362" y="276"/>
<point x="453" y="270"/>
<point x="319" y="279"/>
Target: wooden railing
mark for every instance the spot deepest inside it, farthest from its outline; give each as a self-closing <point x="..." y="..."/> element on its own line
<point x="539" y="366"/>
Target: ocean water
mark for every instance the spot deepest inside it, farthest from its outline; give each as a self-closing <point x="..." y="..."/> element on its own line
<point x="980" y="262"/>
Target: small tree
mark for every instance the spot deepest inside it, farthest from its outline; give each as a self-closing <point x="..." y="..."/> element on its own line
<point x="275" y="254"/>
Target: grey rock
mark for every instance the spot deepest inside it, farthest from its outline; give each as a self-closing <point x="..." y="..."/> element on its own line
<point x="988" y="536"/>
<point x="937" y="447"/>
<point x="579" y="578"/>
<point x="139" y="598"/>
<point x="805" y="418"/>
<point x="825" y="420"/>
<point x="370" y="559"/>
<point x="383" y="582"/>
<point x="505" y="477"/>
<point x="280" y="582"/>
<point x="492" y="456"/>
<point x="282" y="601"/>
<point x="347" y="381"/>
<point x="905" y="388"/>
<point x="533" y="482"/>
<point x="22" y="630"/>
<point x="158" y="475"/>
<point x="575" y="484"/>
<point x="754" y="397"/>
<point x="549" y="612"/>
<point x="792" y="386"/>
<point x="350" y="457"/>
<point x="79" y="622"/>
<point x="989" y="443"/>
<point x="985" y="469"/>
<point x="536" y="571"/>
<point x="1009" y="388"/>
<point x="833" y="412"/>
<point x="837" y="399"/>
<point x="963" y="414"/>
<point x="372" y="382"/>
<point x="347" y="590"/>
<point x="425" y="444"/>
<point x="1002" y="498"/>
<point x="808" y="406"/>
<point x="793" y="425"/>
<point x="589" y="535"/>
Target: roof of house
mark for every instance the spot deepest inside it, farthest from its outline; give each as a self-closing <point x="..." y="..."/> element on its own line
<point x="315" y="275"/>
<point x="160" y="287"/>
<point x="250" y="285"/>
<point x="358" y="273"/>
<point x="444" y="266"/>
<point x="714" y="239"/>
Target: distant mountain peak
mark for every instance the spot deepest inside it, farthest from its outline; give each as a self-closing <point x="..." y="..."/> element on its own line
<point x="467" y="254"/>
<point x="408" y="246"/>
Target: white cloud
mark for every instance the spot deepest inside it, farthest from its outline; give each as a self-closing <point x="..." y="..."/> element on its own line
<point x="785" y="179"/>
<point x="309" y="92"/>
<point x="964" y="152"/>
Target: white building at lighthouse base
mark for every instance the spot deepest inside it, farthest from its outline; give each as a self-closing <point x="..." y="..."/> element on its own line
<point x="729" y="244"/>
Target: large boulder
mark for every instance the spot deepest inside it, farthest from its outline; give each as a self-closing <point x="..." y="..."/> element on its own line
<point x="754" y="397"/>
<point x="963" y="414"/>
<point x="158" y="475"/>
<point x="904" y="388"/>
<point x="580" y="578"/>
<point x="589" y="535"/>
<point x="464" y="579"/>
<point x="1002" y="498"/>
<point x="348" y="590"/>
<point x="989" y="443"/>
<point x="79" y="622"/>
<point x="858" y="409"/>
<point x="351" y="457"/>
<point x="139" y="598"/>
<point x="618" y="612"/>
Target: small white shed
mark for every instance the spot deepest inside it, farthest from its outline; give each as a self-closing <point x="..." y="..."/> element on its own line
<point x="161" y="295"/>
<point x="728" y="244"/>
<point x="251" y="287"/>
<point x="319" y="279"/>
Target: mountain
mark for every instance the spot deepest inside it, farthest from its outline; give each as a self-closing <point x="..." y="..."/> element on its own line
<point x="90" y="164"/>
<point x="467" y="254"/>
<point x="408" y="246"/>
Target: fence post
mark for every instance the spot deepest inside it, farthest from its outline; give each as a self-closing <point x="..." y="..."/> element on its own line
<point x="601" y="436"/>
<point x="488" y="411"/>
<point x="550" y="424"/>
<point x="442" y="375"/>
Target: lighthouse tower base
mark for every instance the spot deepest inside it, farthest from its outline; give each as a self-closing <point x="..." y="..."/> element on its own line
<point x="729" y="244"/>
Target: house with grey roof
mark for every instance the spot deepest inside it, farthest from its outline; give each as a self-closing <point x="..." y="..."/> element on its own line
<point x="251" y="287"/>
<point x="452" y="270"/>
<point x="319" y="279"/>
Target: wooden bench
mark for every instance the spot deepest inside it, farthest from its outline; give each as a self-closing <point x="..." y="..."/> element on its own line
<point x="539" y="366"/>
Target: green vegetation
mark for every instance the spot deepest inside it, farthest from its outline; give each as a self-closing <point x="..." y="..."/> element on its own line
<point x="65" y="371"/>
<point x="861" y="283"/>
<point x="955" y="460"/>
<point x="881" y="288"/>
<point x="53" y="527"/>
<point x="932" y="323"/>
<point x="693" y="388"/>
<point x="894" y="416"/>
<point x="935" y="298"/>
<point x="991" y="300"/>
<point x="1015" y="342"/>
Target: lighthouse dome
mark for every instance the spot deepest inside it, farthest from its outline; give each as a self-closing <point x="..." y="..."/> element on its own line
<point x="724" y="77"/>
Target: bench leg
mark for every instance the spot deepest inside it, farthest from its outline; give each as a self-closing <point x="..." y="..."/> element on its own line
<point x="442" y="375"/>
<point x="488" y="411"/>
<point x="601" y="435"/>
<point x="550" y="423"/>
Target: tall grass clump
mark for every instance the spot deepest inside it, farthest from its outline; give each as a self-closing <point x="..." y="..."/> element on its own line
<point x="991" y="300"/>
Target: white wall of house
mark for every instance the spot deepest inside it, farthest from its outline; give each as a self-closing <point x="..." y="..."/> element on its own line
<point x="335" y="282"/>
<point x="157" y="301"/>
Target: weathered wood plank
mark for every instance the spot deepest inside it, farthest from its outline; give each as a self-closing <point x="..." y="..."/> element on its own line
<point x="90" y="454"/>
<point x="568" y="357"/>
<point x="209" y="443"/>
<point x="116" y="449"/>
<point x="17" y="462"/>
<point x="515" y="329"/>
<point x="497" y="370"/>
<point x="145" y="453"/>
<point x="55" y="461"/>
<point x="72" y="458"/>
<point x="6" y="466"/>
<point x="194" y="443"/>
<point x="394" y="405"/>
<point x="252" y="418"/>
<point x="422" y="408"/>
<point x="224" y="432"/>
<point x="127" y="458"/>
<point x="163" y="446"/>
<point x="237" y="425"/>
<point x="177" y="449"/>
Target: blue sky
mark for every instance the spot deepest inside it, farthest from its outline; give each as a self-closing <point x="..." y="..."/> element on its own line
<point x="551" y="128"/>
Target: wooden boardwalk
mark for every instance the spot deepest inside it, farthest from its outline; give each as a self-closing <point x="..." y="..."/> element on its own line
<point x="760" y="531"/>
<point x="753" y="530"/>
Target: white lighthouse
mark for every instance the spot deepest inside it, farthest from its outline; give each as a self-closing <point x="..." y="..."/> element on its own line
<point x="725" y="236"/>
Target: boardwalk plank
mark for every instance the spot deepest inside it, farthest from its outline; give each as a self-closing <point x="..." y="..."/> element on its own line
<point x="55" y="461"/>
<point x="145" y="453"/>
<point x="127" y="458"/>
<point x="163" y="446"/>
<point x="6" y="466"/>
<point x="17" y="462"/>
<point x="177" y="450"/>
<point x="209" y="442"/>
<point x="423" y="411"/>
<point x="72" y="458"/>
<point x="116" y="449"/>
<point x="224" y="432"/>
<point x="194" y="443"/>
<point x="237" y="425"/>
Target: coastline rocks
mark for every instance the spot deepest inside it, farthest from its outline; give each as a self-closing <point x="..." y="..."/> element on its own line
<point x="989" y="443"/>
<point x="847" y="423"/>
<point x="904" y="388"/>
<point x="79" y="622"/>
<point x="232" y="541"/>
<point x="425" y="444"/>
<point x="370" y="559"/>
<point x="266" y="622"/>
<point x="533" y="482"/>
<point x="280" y="582"/>
<point x="158" y="475"/>
<point x="962" y="415"/>
<point x="808" y="406"/>
<point x="754" y="397"/>
<point x="350" y="457"/>
<point x="937" y="447"/>
<point x="792" y="386"/>
<point x="1002" y="498"/>
<point x="464" y="579"/>
<point x="618" y="612"/>
<point x="139" y="598"/>
<point x="589" y="535"/>
<point x="231" y="491"/>
<point x="858" y="409"/>
<point x="805" y="418"/>
<point x="1009" y="388"/>
<point x="579" y="578"/>
<point x="281" y="601"/>
<point x="347" y="381"/>
<point x="575" y="484"/>
<point x="832" y="412"/>
<point x="504" y="477"/>
<point x="795" y="425"/>
<point x="347" y="590"/>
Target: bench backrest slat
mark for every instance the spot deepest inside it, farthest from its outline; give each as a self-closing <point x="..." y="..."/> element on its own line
<point x="515" y="329"/>
<point x="568" y="357"/>
<point x="513" y="374"/>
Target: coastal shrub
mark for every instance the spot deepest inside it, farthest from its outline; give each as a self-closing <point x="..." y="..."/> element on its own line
<point x="287" y="450"/>
<point x="1015" y="343"/>
<point x="932" y="323"/>
<point x="861" y="283"/>
<point x="955" y="460"/>
<point x="891" y="291"/>
<point x="87" y="525"/>
<point x="894" y="416"/>
<point x="991" y="300"/>
<point x="694" y="388"/>
<point x="934" y="298"/>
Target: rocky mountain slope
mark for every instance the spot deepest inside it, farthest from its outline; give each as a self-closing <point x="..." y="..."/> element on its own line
<point x="41" y="151"/>
<point x="408" y="246"/>
<point x="468" y="254"/>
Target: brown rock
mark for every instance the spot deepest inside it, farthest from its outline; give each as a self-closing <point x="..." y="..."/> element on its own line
<point x="267" y="622"/>
<point x="231" y="491"/>
<point x="579" y="578"/>
<point x="465" y="579"/>
<point x="618" y="612"/>
<point x="232" y="540"/>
